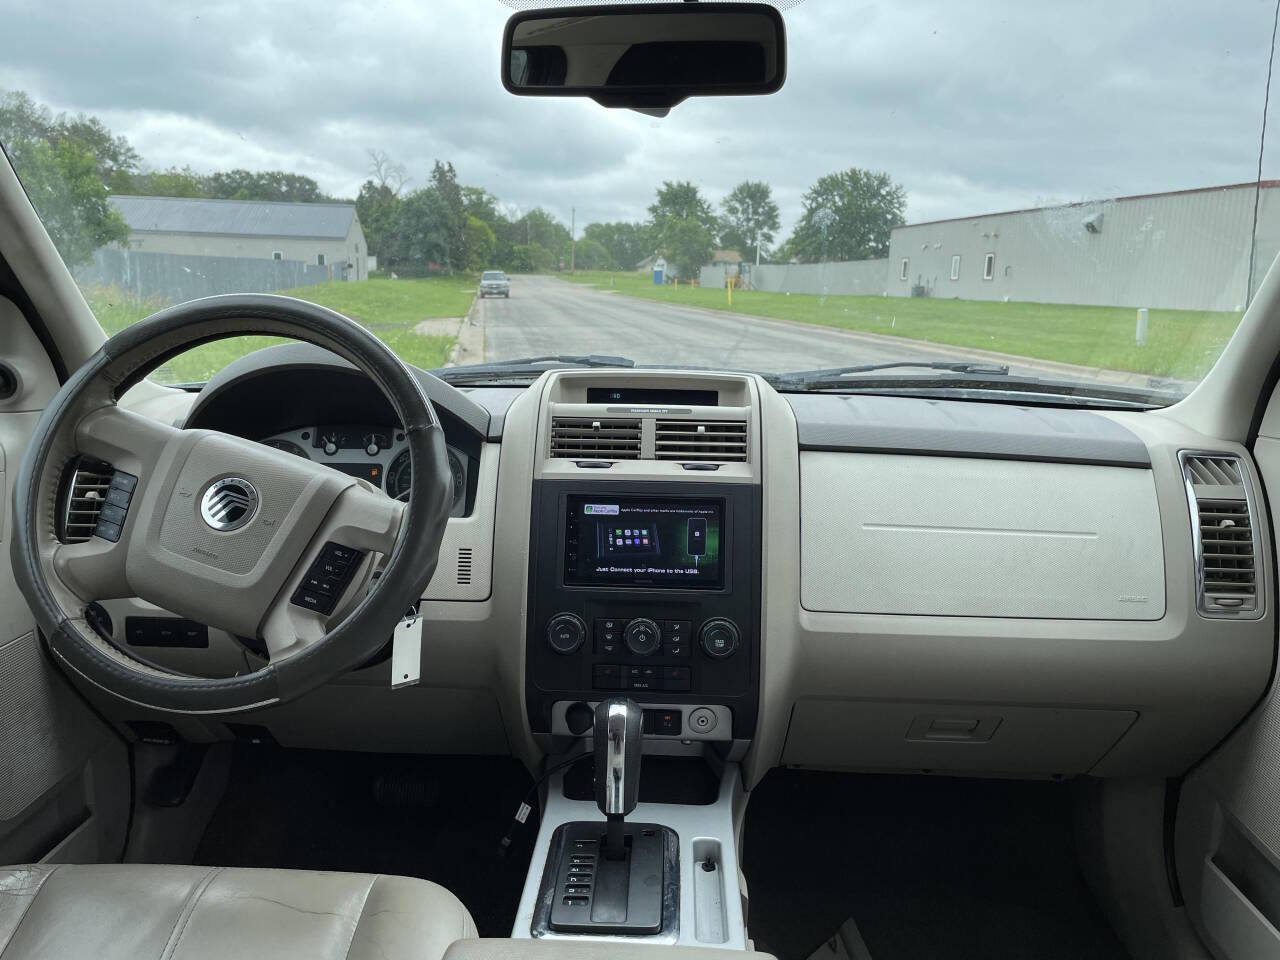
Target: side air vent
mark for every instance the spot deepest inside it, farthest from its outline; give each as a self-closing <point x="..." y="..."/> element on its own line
<point x="1228" y="556"/>
<point x="718" y="441"/>
<point x="85" y="495"/>
<point x="464" y="566"/>
<point x="584" y="438"/>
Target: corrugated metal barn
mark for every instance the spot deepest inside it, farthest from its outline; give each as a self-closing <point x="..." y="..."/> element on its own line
<point x="324" y="234"/>
<point x="1183" y="250"/>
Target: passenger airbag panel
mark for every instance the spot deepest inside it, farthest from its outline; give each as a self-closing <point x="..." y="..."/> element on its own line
<point x="965" y="537"/>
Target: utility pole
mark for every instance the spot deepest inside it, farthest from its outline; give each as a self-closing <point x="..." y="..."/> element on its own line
<point x="573" y="236"/>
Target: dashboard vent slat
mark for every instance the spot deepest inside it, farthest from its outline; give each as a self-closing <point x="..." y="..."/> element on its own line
<point x="701" y="441"/>
<point x="85" y="495"/>
<point x="585" y="438"/>
<point x="464" y="566"/>
<point x="1227" y="559"/>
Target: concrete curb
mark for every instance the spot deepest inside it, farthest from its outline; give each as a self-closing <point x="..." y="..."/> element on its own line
<point x="468" y="347"/>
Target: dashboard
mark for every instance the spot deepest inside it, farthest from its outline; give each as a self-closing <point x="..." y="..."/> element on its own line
<point x="810" y="580"/>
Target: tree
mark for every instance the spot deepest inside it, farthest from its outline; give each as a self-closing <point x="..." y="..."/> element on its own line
<point x="627" y="243"/>
<point x="481" y="204"/>
<point x="864" y="207"/>
<point x="419" y="235"/>
<point x="376" y="206"/>
<point x="681" y="201"/>
<point x="532" y="258"/>
<point x="64" y="184"/>
<point x="385" y="173"/>
<point x="592" y="255"/>
<point x="173" y="182"/>
<point x="444" y="180"/>
<point x="750" y="218"/>
<point x="276" y="185"/>
<point x="688" y="245"/>
<point x="481" y="244"/>
<point x="23" y="120"/>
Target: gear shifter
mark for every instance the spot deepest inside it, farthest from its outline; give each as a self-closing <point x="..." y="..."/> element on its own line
<point x="617" y="737"/>
<point x="623" y="880"/>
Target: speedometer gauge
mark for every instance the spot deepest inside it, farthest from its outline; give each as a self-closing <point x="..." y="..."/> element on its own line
<point x="400" y="477"/>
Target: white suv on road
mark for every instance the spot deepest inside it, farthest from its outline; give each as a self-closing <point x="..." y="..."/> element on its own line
<point x="494" y="283"/>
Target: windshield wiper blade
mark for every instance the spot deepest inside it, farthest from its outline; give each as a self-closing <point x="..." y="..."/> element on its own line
<point x="526" y="367"/>
<point x="806" y="377"/>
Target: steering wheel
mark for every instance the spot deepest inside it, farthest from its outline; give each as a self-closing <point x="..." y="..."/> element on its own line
<point x="225" y="531"/>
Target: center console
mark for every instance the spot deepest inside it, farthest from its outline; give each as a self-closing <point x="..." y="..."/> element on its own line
<point x="642" y="638"/>
<point x="648" y="589"/>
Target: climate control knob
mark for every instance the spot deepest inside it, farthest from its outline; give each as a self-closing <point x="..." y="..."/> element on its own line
<point x="719" y="639"/>
<point x="566" y="633"/>
<point x="642" y="636"/>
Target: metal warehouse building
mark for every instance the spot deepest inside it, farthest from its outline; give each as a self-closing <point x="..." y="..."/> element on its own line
<point x="324" y="234"/>
<point x="1182" y="250"/>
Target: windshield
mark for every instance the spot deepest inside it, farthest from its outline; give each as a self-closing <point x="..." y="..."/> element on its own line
<point x="1058" y="193"/>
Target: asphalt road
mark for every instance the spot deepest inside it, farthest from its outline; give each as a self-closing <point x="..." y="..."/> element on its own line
<point x="550" y="316"/>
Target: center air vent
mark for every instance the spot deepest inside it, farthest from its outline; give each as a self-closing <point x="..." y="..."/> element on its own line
<point x="712" y="441"/>
<point x="85" y="495"/>
<point x="1228" y="557"/>
<point x="584" y="438"/>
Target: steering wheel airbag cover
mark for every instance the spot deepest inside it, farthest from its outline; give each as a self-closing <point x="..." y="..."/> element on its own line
<point x="131" y="355"/>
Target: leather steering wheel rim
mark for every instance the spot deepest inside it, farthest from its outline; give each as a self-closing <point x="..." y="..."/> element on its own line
<point x="96" y="387"/>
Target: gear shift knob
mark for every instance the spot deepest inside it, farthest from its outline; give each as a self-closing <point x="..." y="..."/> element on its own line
<point x="616" y="739"/>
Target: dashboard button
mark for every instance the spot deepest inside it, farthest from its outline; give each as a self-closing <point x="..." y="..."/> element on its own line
<point x="677" y="679"/>
<point x="677" y="649"/>
<point x="566" y="633"/>
<point x="318" y="584"/>
<point x="337" y="551"/>
<point x="606" y="676"/>
<point x="719" y="639"/>
<point x="675" y="629"/>
<point x="642" y="636"/>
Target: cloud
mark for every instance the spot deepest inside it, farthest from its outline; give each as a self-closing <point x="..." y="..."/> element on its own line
<point x="973" y="108"/>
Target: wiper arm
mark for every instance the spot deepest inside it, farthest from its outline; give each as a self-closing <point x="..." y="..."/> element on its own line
<point x="807" y="377"/>
<point x="587" y="360"/>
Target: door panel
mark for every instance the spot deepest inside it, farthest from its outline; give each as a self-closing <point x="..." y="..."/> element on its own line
<point x="63" y="773"/>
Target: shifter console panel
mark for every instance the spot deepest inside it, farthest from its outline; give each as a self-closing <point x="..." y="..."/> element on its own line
<point x="651" y="593"/>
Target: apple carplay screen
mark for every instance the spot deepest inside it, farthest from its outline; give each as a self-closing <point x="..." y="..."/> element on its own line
<point x="644" y="542"/>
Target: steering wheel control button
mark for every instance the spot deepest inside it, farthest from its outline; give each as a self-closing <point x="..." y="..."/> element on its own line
<point x="228" y="504"/>
<point x="642" y="637"/>
<point x="566" y="633"/>
<point x="115" y="506"/>
<point x="702" y="720"/>
<point x="323" y="585"/>
<point x="719" y="639"/>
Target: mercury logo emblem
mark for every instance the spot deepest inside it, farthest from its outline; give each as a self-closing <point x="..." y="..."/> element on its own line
<point x="229" y="504"/>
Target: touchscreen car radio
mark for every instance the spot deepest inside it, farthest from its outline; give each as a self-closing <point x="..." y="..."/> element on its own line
<point x="638" y="542"/>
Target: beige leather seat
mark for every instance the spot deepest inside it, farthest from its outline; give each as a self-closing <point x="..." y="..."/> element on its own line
<point x="138" y="912"/>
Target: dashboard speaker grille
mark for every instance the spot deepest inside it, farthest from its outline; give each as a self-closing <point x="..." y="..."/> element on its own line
<point x="712" y="441"/>
<point x="85" y="494"/>
<point x="1228" y="562"/>
<point x="584" y="438"/>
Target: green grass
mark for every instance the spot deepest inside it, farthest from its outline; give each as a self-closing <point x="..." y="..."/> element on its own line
<point x="388" y="308"/>
<point x="1181" y="344"/>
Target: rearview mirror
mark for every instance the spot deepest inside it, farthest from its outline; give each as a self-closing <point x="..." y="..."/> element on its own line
<point x="648" y="56"/>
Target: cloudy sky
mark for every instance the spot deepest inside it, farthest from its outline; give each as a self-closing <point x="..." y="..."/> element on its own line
<point x="973" y="107"/>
